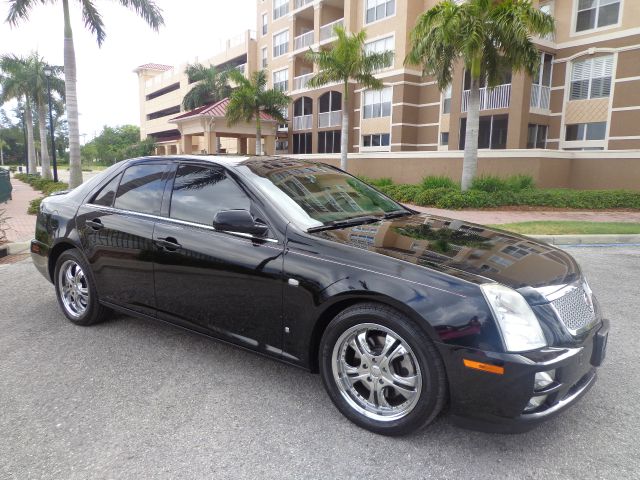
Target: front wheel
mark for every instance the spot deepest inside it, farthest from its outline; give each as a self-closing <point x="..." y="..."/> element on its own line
<point x="381" y="370"/>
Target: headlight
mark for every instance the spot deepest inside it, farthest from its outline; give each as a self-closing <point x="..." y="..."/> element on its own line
<point x="519" y="325"/>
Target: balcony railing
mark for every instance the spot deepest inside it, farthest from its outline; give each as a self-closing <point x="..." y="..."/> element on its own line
<point x="303" y="122"/>
<point x="302" y="41"/>
<point x="301" y="3"/>
<point x="326" y="31"/>
<point x="490" y="98"/>
<point x="330" y="119"/>
<point x="302" y="81"/>
<point x="540" y="96"/>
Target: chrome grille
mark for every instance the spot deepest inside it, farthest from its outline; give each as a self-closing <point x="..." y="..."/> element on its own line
<point x="575" y="309"/>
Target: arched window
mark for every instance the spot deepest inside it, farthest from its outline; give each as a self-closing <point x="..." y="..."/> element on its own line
<point x="330" y="105"/>
<point x="302" y="113"/>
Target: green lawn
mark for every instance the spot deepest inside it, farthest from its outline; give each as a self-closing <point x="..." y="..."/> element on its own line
<point x="571" y="228"/>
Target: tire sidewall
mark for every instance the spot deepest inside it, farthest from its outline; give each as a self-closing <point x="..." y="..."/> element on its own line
<point x="91" y="313"/>
<point x="430" y="402"/>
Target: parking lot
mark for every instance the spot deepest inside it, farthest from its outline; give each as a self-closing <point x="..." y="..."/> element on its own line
<point x="133" y="398"/>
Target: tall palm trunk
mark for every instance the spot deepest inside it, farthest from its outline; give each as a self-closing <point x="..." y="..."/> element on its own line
<point x="31" y="146"/>
<point x="44" y="151"/>
<point x="470" y="161"/>
<point x="258" y="134"/>
<point x="75" y="168"/>
<point x="344" y="136"/>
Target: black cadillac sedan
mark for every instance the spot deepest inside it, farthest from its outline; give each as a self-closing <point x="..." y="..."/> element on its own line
<point x="401" y="313"/>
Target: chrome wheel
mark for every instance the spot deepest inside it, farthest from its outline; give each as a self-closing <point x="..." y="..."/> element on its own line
<point x="73" y="288"/>
<point x="376" y="372"/>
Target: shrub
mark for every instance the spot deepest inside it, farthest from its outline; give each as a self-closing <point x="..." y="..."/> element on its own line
<point x="438" y="182"/>
<point x="489" y="183"/>
<point x="34" y="206"/>
<point x="431" y="196"/>
<point x="520" y="182"/>
<point x="54" y="187"/>
<point x="382" y="182"/>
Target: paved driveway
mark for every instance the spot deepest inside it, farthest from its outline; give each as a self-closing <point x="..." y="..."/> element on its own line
<point x="135" y="399"/>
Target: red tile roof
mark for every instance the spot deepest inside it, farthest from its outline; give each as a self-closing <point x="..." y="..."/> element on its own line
<point x="155" y="66"/>
<point x="218" y="109"/>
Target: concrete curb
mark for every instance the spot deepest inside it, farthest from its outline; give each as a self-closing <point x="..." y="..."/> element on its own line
<point x="17" y="247"/>
<point x="588" y="239"/>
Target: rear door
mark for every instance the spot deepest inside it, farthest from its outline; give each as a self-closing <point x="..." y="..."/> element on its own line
<point x="116" y="231"/>
<point x="217" y="282"/>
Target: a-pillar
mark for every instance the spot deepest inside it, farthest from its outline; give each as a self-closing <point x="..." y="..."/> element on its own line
<point x="187" y="144"/>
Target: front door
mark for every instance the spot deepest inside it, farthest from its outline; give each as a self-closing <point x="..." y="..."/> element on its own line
<point x="217" y="282"/>
<point x="116" y="232"/>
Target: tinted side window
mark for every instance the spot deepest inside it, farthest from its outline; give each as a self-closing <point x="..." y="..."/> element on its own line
<point x="200" y="192"/>
<point x="108" y="193"/>
<point x="141" y="189"/>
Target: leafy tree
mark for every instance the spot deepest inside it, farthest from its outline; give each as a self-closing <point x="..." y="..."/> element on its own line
<point x="19" y="11"/>
<point x="344" y="61"/>
<point x="251" y="98"/>
<point x="212" y="86"/>
<point x="115" y="144"/>
<point x="486" y="36"/>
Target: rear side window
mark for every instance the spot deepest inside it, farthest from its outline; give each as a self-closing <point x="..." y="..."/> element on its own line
<point x="108" y="193"/>
<point x="201" y="192"/>
<point x="141" y="189"/>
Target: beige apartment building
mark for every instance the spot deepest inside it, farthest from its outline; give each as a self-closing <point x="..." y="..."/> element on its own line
<point x="586" y="96"/>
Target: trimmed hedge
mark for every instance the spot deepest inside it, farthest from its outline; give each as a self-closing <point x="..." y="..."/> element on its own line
<point x="47" y="187"/>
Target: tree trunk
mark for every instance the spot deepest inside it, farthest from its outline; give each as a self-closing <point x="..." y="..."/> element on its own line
<point x="470" y="162"/>
<point x="258" y="135"/>
<point x="44" y="151"/>
<point x="31" y="146"/>
<point x="75" y="167"/>
<point x="1" y="155"/>
<point x="344" y="136"/>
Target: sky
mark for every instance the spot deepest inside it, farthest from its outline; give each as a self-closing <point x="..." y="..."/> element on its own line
<point x="107" y="86"/>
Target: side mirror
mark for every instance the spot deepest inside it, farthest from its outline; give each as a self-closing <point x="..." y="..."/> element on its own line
<point x="239" y="221"/>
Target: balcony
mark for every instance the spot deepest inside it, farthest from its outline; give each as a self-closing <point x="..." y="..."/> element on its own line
<point x="301" y="82"/>
<point x="303" y="41"/>
<point x="326" y="31"/>
<point x="330" y="119"/>
<point x="303" y="122"/>
<point x="490" y="98"/>
<point x="301" y="3"/>
<point x="540" y="96"/>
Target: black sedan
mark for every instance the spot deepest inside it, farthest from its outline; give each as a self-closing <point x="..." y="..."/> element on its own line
<point x="401" y="313"/>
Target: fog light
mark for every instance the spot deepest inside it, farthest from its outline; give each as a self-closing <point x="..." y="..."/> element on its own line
<point x="543" y="380"/>
<point x="535" y="402"/>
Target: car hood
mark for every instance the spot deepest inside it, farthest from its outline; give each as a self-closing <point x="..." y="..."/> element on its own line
<point x="463" y="249"/>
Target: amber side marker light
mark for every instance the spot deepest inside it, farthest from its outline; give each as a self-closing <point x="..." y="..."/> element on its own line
<point x="35" y="248"/>
<point x="485" y="367"/>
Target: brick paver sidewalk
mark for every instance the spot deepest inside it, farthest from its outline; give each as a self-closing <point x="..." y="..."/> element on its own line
<point x="21" y="225"/>
<point x="485" y="217"/>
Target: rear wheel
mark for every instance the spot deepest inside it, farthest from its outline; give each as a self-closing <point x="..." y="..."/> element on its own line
<point x="381" y="370"/>
<point x="75" y="290"/>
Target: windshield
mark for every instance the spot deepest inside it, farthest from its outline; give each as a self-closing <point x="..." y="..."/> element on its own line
<point x="314" y="194"/>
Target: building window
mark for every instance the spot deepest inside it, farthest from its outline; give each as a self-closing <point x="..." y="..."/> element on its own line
<point x="302" y="142"/>
<point x="591" y="78"/>
<point x="596" y="14"/>
<point x="446" y="100"/>
<point x="377" y="103"/>
<point x="280" y="43"/>
<point x="280" y="8"/>
<point x="579" y="132"/>
<point x="376" y="140"/>
<point x="444" y="138"/>
<point x="537" y="136"/>
<point x="265" y="23"/>
<point x="303" y="113"/>
<point x="492" y="134"/>
<point x="281" y="80"/>
<point x="379" y="9"/>
<point x="265" y="57"/>
<point x="329" y="141"/>
<point x="380" y="46"/>
<point x="282" y="145"/>
<point x="330" y="108"/>
<point x="164" y="113"/>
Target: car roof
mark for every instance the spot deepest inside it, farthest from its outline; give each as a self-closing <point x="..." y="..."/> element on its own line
<point x="226" y="160"/>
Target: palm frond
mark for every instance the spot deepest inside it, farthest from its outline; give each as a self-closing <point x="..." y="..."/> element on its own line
<point x="147" y="10"/>
<point x="93" y="20"/>
<point x="20" y="9"/>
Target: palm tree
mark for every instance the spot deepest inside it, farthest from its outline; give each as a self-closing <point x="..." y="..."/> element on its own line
<point x="20" y="9"/>
<point x="212" y="86"/>
<point x="16" y="85"/>
<point x="250" y="98"/>
<point x="487" y="36"/>
<point x="346" y="60"/>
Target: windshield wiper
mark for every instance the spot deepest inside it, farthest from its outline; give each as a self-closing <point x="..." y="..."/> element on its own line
<point x="349" y="222"/>
<point x="397" y="213"/>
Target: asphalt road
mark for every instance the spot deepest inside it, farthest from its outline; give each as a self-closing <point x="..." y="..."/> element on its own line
<point x="135" y="399"/>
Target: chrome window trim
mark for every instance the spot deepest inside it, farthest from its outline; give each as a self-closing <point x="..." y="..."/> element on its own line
<point x="181" y="222"/>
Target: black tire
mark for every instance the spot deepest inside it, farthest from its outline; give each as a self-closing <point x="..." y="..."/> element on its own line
<point x="94" y="312"/>
<point x="430" y="400"/>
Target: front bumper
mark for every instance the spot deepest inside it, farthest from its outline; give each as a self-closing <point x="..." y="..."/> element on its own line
<point x="489" y="402"/>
